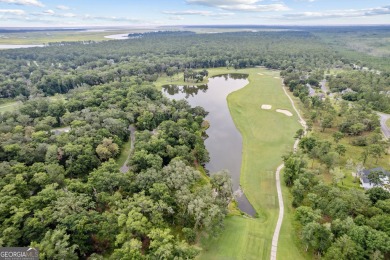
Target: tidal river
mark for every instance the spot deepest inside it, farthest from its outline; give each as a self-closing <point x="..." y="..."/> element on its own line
<point x="224" y="141"/>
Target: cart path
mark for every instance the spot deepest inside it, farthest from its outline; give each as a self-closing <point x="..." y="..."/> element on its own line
<point x="383" y="120"/>
<point x="275" y="238"/>
<point x="124" y="167"/>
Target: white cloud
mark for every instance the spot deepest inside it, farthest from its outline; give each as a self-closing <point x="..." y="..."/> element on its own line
<point x="68" y="15"/>
<point x="222" y="2"/>
<point x="385" y="10"/>
<point x="197" y="12"/>
<point x="12" y="11"/>
<point x="63" y="7"/>
<point x="241" y="5"/>
<point x="49" y="12"/>
<point x="188" y="12"/>
<point x="110" y="18"/>
<point x="23" y="2"/>
<point x="256" y="8"/>
<point x="176" y="18"/>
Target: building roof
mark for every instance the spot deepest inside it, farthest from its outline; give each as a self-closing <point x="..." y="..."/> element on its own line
<point x="366" y="172"/>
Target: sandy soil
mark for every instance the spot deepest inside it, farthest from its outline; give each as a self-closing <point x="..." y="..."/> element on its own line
<point x="283" y="111"/>
<point x="266" y="107"/>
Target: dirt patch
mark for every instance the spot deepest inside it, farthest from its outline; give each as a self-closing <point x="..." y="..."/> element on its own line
<point x="266" y="107"/>
<point x="283" y="111"/>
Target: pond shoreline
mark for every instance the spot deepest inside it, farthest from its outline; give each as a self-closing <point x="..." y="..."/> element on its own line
<point x="225" y="141"/>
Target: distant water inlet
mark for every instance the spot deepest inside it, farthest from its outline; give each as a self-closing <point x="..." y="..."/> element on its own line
<point x="18" y="46"/>
<point x="224" y="141"/>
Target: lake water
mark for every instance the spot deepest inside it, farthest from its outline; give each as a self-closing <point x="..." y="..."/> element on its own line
<point x="17" y="46"/>
<point x="224" y="141"/>
<point x="118" y="36"/>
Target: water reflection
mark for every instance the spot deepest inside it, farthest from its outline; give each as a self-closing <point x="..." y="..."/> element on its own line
<point x="187" y="90"/>
<point x="224" y="141"/>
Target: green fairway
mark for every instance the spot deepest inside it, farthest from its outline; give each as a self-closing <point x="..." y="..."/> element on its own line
<point x="267" y="135"/>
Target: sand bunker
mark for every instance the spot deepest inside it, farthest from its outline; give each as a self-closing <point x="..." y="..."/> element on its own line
<point x="261" y="74"/>
<point x="266" y="107"/>
<point x="276" y="78"/>
<point x="283" y="111"/>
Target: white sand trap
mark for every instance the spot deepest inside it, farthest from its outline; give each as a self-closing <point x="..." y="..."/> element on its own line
<point x="286" y="112"/>
<point x="261" y="74"/>
<point x="266" y="107"/>
<point x="276" y="78"/>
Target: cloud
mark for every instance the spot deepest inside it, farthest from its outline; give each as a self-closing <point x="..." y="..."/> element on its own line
<point x="110" y="18"/>
<point x="240" y="5"/>
<point x="196" y="12"/>
<point x="385" y="10"/>
<point x="49" y="12"/>
<point x="188" y="12"/>
<point x="176" y="18"/>
<point x="23" y="2"/>
<point x="12" y="11"/>
<point x="68" y="15"/>
<point x="63" y="7"/>
<point x="222" y="2"/>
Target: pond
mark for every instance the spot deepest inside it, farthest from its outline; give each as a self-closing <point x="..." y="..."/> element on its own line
<point x="224" y="141"/>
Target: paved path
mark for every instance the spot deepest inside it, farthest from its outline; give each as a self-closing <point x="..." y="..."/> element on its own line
<point x="323" y="86"/>
<point x="275" y="238"/>
<point x="383" y="119"/>
<point x="124" y="167"/>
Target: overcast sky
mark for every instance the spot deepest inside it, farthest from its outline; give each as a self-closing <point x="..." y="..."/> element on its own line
<point x="192" y="12"/>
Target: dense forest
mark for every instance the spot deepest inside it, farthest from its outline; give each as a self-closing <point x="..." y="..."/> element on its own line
<point x="61" y="189"/>
<point x="58" y="69"/>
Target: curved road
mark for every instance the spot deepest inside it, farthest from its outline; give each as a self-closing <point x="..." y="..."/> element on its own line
<point x="124" y="167"/>
<point x="383" y="119"/>
<point x="275" y="238"/>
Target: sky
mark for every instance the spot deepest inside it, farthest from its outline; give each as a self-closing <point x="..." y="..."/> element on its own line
<point x="78" y="13"/>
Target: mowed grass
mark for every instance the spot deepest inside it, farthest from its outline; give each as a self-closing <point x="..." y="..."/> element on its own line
<point x="267" y="135"/>
<point x="388" y="123"/>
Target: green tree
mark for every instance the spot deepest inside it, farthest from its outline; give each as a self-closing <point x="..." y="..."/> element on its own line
<point x="337" y="136"/>
<point x="344" y="248"/>
<point x="375" y="177"/>
<point x="107" y="149"/>
<point x="317" y="236"/>
<point x="376" y="150"/>
<point x="56" y="245"/>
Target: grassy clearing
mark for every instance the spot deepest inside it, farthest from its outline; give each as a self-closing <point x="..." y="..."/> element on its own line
<point x="267" y="135"/>
<point x="9" y="106"/>
<point x="125" y="150"/>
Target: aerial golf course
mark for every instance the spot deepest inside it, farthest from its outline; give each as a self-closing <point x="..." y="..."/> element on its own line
<point x="267" y="135"/>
